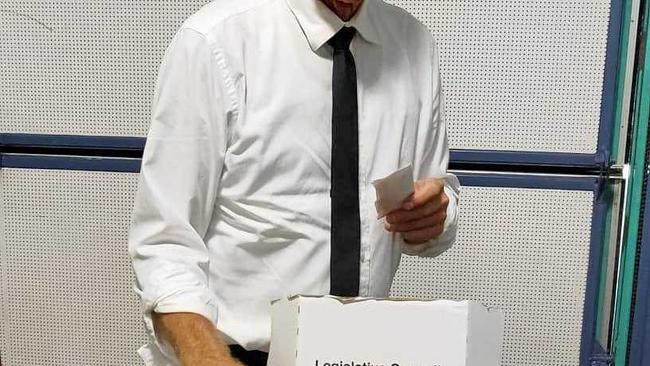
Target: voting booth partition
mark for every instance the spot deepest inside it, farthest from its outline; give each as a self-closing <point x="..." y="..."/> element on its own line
<point x="531" y="89"/>
<point x="67" y="297"/>
<point x="67" y="281"/>
<point x="524" y="250"/>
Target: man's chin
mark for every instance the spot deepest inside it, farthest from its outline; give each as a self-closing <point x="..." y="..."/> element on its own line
<point x="345" y="12"/>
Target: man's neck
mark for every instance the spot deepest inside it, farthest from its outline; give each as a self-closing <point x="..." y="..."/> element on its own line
<point x="344" y="9"/>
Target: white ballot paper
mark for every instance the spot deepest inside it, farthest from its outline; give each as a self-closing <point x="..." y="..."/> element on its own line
<point x="393" y="190"/>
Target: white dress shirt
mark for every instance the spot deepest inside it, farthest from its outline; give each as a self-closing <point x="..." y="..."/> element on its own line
<point x="233" y="205"/>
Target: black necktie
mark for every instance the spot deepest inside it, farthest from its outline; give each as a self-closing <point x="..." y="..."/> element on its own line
<point x="346" y="232"/>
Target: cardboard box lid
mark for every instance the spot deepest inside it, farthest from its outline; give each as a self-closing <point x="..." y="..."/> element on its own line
<point x="308" y="328"/>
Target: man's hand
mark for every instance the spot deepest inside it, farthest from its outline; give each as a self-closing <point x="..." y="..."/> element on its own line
<point x="194" y="339"/>
<point x="422" y="216"/>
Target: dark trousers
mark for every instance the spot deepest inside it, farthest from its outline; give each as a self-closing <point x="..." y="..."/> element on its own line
<point x="249" y="358"/>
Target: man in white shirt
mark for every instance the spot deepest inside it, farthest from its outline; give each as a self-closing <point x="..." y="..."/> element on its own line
<point x="270" y="120"/>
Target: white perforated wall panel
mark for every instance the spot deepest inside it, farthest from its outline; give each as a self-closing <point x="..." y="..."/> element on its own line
<point x="3" y="288"/>
<point x="83" y="67"/>
<point x="520" y="75"/>
<point x="525" y="251"/>
<point x="67" y="281"/>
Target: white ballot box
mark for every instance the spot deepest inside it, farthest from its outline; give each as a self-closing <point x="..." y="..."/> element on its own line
<point x="331" y="331"/>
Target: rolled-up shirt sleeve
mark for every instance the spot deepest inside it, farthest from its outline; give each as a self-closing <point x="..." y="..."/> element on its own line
<point x="431" y="161"/>
<point x="179" y="177"/>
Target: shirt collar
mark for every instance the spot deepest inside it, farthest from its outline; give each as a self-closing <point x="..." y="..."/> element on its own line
<point x="319" y="23"/>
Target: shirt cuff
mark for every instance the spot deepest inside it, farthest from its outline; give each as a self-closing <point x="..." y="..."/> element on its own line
<point x="193" y="300"/>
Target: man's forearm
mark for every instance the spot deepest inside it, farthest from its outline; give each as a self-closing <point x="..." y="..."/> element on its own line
<point x="194" y="339"/>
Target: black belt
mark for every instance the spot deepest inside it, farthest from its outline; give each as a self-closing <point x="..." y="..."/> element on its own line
<point x="249" y="358"/>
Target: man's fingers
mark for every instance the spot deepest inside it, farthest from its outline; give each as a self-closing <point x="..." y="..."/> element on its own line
<point x="437" y="203"/>
<point x="428" y="221"/>
<point x="422" y="235"/>
<point x="425" y="191"/>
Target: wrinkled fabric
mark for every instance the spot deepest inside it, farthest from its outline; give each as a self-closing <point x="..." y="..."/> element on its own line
<point x="233" y="207"/>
